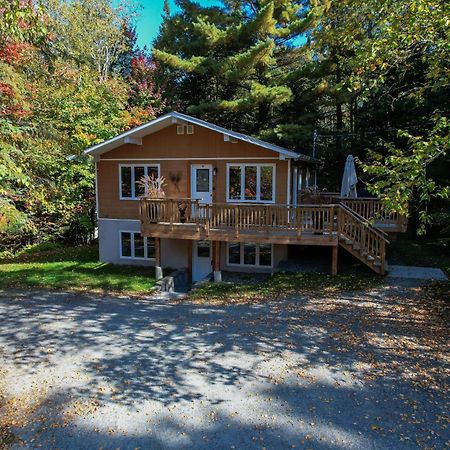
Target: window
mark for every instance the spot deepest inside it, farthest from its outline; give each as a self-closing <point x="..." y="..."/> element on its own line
<point x="135" y="246"/>
<point x="203" y="249"/>
<point x="251" y="174"/>
<point x="250" y="254"/>
<point x="129" y="177"/>
<point x="234" y="183"/>
<point x="234" y="253"/>
<point x="202" y="180"/>
<point x="251" y="183"/>
<point x="246" y="254"/>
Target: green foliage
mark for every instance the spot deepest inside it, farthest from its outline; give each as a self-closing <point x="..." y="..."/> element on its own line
<point x="372" y="79"/>
<point x="224" y="62"/>
<point x="400" y="174"/>
<point x="21" y="21"/>
<point x="59" y="95"/>
<point x="12" y="221"/>
<point x="89" y="33"/>
<point x="408" y="58"/>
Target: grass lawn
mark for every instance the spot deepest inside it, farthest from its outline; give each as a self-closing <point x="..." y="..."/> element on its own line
<point x="283" y="285"/>
<point x="75" y="268"/>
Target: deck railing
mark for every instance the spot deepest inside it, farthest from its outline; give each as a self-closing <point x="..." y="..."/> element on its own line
<point x="239" y="218"/>
<point x="305" y="224"/>
<point x="367" y="207"/>
<point x="365" y="239"/>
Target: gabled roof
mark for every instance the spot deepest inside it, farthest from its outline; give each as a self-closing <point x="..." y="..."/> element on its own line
<point x="171" y="118"/>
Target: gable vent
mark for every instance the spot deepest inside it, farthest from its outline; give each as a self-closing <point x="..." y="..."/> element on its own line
<point x="182" y="129"/>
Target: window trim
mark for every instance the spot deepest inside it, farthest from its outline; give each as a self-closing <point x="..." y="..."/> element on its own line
<point x="241" y="256"/>
<point x="258" y="166"/>
<point x="132" y="257"/>
<point x="133" y="184"/>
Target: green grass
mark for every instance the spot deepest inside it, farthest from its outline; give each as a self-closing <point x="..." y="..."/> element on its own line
<point x="283" y="285"/>
<point x="75" y="268"/>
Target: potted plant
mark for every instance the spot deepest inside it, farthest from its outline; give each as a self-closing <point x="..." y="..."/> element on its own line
<point x="153" y="189"/>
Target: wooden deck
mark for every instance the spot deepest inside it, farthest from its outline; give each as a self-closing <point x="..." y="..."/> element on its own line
<point x="367" y="207"/>
<point x="278" y="224"/>
<point x="325" y="225"/>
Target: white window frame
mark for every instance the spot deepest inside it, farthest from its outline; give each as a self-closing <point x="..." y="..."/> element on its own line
<point x="258" y="166"/>
<point x="133" y="249"/>
<point x="133" y="184"/>
<point x="241" y="256"/>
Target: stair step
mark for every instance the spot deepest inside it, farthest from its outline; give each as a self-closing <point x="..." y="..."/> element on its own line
<point x="377" y="263"/>
<point x="356" y="247"/>
<point x="370" y="258"/>
<point x="348" y="241"/>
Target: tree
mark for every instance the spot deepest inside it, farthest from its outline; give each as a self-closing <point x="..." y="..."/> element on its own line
<point x="90" y="32"/>
<point x="57" y="98"/>
<point x="227" y="62"/>
<point x="407" y="62"/>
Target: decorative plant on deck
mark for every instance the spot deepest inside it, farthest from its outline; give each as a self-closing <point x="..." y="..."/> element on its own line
<point x="152" y="186"/>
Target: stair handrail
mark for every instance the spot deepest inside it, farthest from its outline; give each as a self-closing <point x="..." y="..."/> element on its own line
<point x="376" y="230"/>
<point x="367" y="227"/>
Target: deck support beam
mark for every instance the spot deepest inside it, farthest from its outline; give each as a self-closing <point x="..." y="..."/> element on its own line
<point x="334" y="260"/>
<point x="216" y="262"/>
<point x="158" y="268"/>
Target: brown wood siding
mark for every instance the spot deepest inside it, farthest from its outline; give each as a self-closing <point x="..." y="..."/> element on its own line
<point x="167" y="144"/>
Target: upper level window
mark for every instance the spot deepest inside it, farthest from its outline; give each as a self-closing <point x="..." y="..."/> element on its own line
<point x="251" y="183"/>
<point x="129" y="177"/>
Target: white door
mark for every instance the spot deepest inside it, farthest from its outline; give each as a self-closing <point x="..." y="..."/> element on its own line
<point x="201" y="260"/>
<point x="201" y="182"/>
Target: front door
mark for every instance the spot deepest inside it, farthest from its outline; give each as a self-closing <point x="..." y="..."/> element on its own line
<point x="201" y="182"/>
<point x="201" y="260"/>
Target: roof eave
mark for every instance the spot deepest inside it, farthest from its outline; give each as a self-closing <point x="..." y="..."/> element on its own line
<point x="96" y="150"/>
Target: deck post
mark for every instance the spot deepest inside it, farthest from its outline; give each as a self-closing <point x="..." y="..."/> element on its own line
<point x="158" y="268"/>
<point x="216" y="262"/>
<point x="334" y="260"/>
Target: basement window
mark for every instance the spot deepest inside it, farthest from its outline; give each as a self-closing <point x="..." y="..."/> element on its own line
<point x="250" y="255"/>
<point x="135" y="246"/>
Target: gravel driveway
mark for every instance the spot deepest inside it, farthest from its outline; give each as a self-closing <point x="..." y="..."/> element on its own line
<point x="363" y="370"/>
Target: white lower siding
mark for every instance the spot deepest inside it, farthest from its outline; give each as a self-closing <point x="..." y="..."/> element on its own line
<point x="174" y="252"/>
<point x="109" y="241"/>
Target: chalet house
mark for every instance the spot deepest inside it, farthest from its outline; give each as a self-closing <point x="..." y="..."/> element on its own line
<point x="232" y="202"/>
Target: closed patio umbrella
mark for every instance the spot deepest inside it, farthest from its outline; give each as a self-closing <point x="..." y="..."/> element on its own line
<point x="349" y="180"/>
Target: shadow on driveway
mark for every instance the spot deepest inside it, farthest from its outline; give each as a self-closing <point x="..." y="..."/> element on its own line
<point x="360" y="370"/>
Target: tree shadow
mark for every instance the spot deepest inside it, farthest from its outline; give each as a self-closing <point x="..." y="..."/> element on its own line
<point x="353" y="365"/>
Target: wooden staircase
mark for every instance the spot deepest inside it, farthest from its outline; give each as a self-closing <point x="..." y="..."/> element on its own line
<point x="360" y="238"/>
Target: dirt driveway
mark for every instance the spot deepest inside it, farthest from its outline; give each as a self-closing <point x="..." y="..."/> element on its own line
<point x="364" y="370"/>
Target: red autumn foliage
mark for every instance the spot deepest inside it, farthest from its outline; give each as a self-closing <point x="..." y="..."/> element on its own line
<point x="13" y="52"/>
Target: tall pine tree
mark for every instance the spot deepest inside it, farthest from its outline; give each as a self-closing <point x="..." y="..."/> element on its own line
<point x="228" y="63"/>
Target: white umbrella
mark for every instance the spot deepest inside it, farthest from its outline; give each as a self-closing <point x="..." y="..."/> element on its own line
<point x="349" y="180"/>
